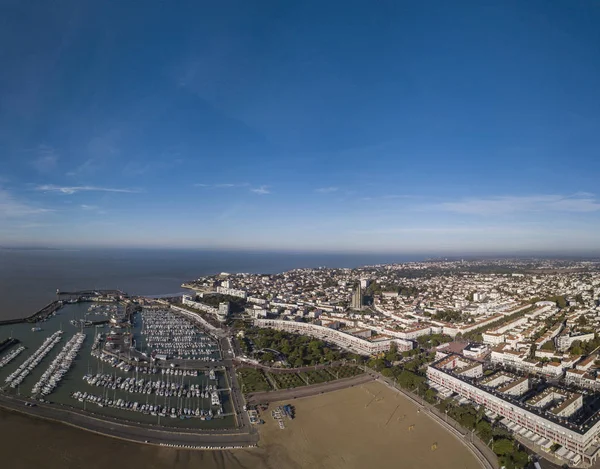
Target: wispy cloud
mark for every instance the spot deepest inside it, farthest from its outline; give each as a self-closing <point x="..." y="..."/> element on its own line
<point x="10" y="207"/>
<point x="230" y="185"/>
<point x="98" y="153"/>
<point x="579" y="202"/>
<point x="222" y="186"/>
<point x="390" y="197"/>
<point x="69" y="190"/>
<point x="444" y="230"/>
<point x="46" y="159"/>
<point x="93" y="208"/>
<point x="261" y="190"/>
<point x="326" y="190"/>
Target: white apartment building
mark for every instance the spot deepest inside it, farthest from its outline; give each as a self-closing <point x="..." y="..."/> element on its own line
<point x="373" y="345"/>
<point x="256" y="300"/>
<point x="563" y="342"/>
<point x="492" y="338"/>
<point x="479" y="296"/>
<point x="223" y="311"/>
<point x="188" y="301"/>
<point x="232" y="292"/>
<point x="515" y="388"/>
<point x="582" y="441"/>
<point x="582" y="378"/>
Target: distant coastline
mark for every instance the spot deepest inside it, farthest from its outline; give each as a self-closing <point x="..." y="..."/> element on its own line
<point x="29" y="248"/>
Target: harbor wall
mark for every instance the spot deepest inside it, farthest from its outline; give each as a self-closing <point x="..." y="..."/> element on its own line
<point x="40" y="315"/>
<point x="77" y="297"/>
<point x="7" y="343"/>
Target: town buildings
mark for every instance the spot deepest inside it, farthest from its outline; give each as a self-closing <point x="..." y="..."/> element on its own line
<point x="546" y="418"/>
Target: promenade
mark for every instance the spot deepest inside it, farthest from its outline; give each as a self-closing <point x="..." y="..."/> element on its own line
<point x="130" y="431"/>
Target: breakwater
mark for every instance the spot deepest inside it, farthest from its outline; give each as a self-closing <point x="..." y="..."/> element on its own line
<point x="69" y="297"/>
<point x="40" y="315"/>
<point x="7" y="343"/>
<point x="91" y="293"/>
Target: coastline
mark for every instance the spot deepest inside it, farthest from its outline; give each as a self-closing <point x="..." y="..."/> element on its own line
<point x="192" y="439"/>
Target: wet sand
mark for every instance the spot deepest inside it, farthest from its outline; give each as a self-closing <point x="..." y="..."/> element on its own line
<point x="364" y="426"/>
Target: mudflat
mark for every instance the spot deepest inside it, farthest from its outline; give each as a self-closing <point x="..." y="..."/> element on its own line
<point x="364" y="426"/>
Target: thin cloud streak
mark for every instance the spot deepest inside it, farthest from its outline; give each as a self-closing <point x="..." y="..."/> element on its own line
<point x="446" y="230"/>
<point x="580" y="202"/>
<point x="326" y="190"/>
<point x="221" y="186"/>
<point x="70" y="190"/>
<point x="262" y="190"/>
<point x="12" y="208"/>
<point x="391" y="197"/>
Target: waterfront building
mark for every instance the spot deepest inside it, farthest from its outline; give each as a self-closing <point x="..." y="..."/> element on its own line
<point x="365" y="343"/>
<point x="189" y="301"/>
<point x="232" y="292"/>
<point x="546" y="425"/>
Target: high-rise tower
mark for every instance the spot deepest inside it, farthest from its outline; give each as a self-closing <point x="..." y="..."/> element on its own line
<point x="357" y="298"/>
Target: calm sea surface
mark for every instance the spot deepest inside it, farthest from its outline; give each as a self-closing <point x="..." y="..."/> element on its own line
<point x="29" y="279"/>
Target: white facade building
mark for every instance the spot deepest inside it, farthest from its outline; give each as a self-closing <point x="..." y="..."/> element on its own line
<point x="342" y="339"/>
<point x="223" y="311"/>
<point x="582" y="441"/>
<point x="232" y="292"/>
<point x="563" y="342"/>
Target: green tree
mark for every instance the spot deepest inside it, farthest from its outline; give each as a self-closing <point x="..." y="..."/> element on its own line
<point x="503" y="446"/>
<point x="548" y="346"/>
<point x="520" y="458"/>
<point x="298" y="363"/>
<point x="430" y="395"/>
<point x="377" y="364"/>
<point x="576" y="348"/>
<point x="392" y="354"/>
<point x="484" y="430"/>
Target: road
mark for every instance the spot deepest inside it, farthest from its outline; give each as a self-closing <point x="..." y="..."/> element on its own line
<point x="131" y="432"/>
<point x="237" y="399"/>
<point x="306" y="391"/>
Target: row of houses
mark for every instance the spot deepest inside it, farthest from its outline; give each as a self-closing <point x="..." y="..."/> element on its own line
<point x="546" y="427"/>
<point x="361" y="341"/>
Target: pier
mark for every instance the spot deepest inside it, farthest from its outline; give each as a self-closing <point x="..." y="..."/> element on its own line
<point x="40" y="315"/>
<point x="71" y="297"/>
<point x="6" y="343"/>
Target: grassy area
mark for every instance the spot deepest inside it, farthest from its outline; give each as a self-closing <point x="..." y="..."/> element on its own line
<point x="344" y="371"/>
<point x="253" y="380"/>
<point x="287" y="380"/>
<point x="317" y="376"/>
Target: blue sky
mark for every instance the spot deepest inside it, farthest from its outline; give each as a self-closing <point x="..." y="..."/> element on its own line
<point x="435" y="126"/>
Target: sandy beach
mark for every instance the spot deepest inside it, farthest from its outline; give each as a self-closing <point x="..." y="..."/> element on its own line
<point x="364" y="426"/>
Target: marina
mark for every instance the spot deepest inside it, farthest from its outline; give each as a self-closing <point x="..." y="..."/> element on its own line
<point x="11" y="356"/>
<point x="17" y="376"/>
<point x="116" y="366"/>
<point x="165" y="335"/>
<point x="59" y="366"/>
